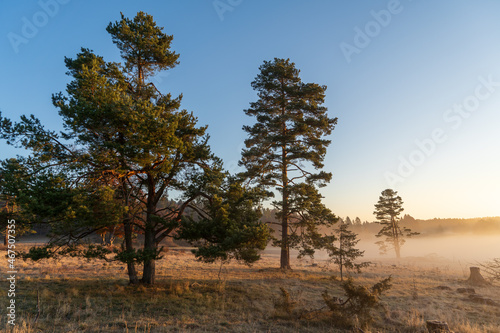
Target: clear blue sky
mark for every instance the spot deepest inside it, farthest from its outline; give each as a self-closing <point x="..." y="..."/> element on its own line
<point x="397" y="72"/>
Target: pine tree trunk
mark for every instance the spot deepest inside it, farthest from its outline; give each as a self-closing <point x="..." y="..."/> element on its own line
<point x="6" y="238"/>
<point x="132" y="273"/>
<point x="397" y="248"/>
<point x="341" y="256"/>
<point x="149" y="272"/>
<point x="395" y="234"/>
<point x="148" y="275"/>
<point x="129" y="246"/>
<point x="285" y="248"/>
<point x="285" y="257"/>
<point x="341" y="265"/>
<point x="127" y="231"/>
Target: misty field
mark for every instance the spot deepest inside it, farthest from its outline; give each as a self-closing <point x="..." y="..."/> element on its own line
<point x="79" y="296"/>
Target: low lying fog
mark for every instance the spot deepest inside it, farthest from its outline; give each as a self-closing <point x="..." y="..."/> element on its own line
<point x="461" y="247"/>
<point x="469" y="248"/>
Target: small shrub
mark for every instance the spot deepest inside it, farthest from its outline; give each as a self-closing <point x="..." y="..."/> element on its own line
<point x="179" y="288"/>
<point x="414" y="291"/>
<point x="359" y="301"/>
<point x="284" y="305"/>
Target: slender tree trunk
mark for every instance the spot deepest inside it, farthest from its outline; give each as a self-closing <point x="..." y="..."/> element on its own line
<point x="148" y="275"/>
<point x="129" y="246"/>
<point x="341" y="273"/>
<point x="127" y="222"/>
<point x="285" y="248"/>
<point x="341" y="256"/>
<point x="396" y="247"/>
<point x="6" y="238"/>
<point x="127" y="231"/>
<point x="395" y="237"/>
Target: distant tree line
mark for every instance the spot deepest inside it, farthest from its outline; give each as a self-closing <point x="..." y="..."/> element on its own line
<point x="438" y="226"/>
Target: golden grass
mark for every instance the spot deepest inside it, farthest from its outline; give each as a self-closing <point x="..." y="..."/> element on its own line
<point x="80" y="296"/>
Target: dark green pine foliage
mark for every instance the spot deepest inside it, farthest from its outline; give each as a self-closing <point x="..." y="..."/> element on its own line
<point x="343" y="252"/>
<point x="43" y="195"/>
<point x="229" y="227"/>
<point x="283" y="146"/>
<point x="12" y="178"/>
<point x="387" y="211"/>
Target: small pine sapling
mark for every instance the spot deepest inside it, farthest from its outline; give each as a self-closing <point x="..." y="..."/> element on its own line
<point x="345" y="254"/>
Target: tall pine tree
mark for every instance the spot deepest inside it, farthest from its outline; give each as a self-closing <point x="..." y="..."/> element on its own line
<point x="284" y="144"/>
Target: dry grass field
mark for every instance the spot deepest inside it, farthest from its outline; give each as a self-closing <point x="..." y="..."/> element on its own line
<point x="79" y="296"/>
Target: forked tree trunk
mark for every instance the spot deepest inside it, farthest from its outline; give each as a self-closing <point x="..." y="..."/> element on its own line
<point x="475" y="278"/>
